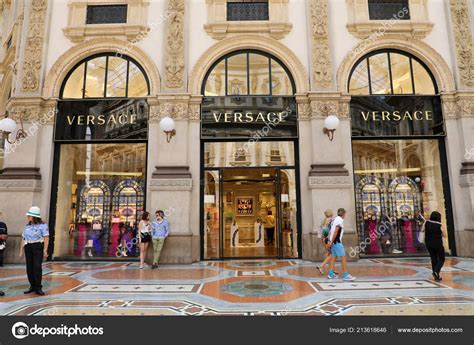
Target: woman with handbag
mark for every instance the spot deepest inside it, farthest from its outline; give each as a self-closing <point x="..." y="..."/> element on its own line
<point x="144" y="237"/>
<point x="433" y="233"/>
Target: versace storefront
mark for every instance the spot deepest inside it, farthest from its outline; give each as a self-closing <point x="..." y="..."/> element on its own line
<point x="99" y="173"/>
<point x="249" y="159"/>
<point x="398" y="148"/>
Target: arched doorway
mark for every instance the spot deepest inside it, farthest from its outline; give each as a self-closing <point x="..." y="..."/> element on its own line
<point x="397" y="127"/>
<point x="101" y="134"/>
<point x="249" y="155"/>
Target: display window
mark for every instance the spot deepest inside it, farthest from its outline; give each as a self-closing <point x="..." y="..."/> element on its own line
<point x="100" y="198"/>
<point x="398" y="150"/>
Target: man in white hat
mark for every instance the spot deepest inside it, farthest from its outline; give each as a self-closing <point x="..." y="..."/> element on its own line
<point x="34" y="245"/>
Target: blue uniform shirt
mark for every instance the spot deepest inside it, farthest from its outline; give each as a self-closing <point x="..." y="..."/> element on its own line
<point x="160" y="230"/>
<point x="35" y="232"/>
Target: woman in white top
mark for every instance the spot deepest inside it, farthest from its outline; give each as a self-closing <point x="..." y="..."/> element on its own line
<point x="145" y="236"/>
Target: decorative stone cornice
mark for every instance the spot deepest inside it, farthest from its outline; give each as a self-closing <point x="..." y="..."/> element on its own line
<point x="176" y="106"/>
<point x="456" y="105"/>
<point x="463" y="40"/>
<point x="32" y="110"/>
<point x="324" y="104"/>
<point x="33" y="54"/>
<point x="174" y="58"/>
<point x="321" y="53"/>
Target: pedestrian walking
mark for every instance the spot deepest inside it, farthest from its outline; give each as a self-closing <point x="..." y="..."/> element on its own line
<point x="34" y="245"/>
<point x="159" y="234"/>
<point x="337" y="248"/>
<point x="434" y="233"/>
<point x="325" y="227"/>
<point x="144" y="238"/>
<point x="3" y="239"/>
<point x="270" y="228"/>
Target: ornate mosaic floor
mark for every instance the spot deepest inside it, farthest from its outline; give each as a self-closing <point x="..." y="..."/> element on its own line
<point x="267" y="287"/>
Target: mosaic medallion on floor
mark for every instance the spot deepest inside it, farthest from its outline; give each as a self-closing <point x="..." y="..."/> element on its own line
<point x="256" y="288"/>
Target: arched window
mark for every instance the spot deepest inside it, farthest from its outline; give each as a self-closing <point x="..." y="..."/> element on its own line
<point x="106" y="76"/>
<point x="391" y="72"/>
<point x="248" y="72"/>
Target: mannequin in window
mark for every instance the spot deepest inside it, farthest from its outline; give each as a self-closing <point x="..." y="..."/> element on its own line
<point x="114" y="241"/>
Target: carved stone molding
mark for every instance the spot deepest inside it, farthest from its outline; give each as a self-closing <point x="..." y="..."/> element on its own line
<point x="457" y="105"/>
<point x="321" y="53"/>
<point x="135" y="29"/>
<point x="324" y="104"/>
<point x="361" y="26"/>
<point x="175" y="184"/>
<point x="329" y="182"/>
<point x="277" y="26"/>
<point x="175" y="110"/>
<point x="34" y="46"/>
<point x="171" y="172"/>
<point x="32" y="110"/>
<point x="329" y="176"/>
<point x="23" y="185"/>
<point x="174" y="59"/>
<point x="463" y="39"/>
<point x="328" y="170"/>
<point x="20" y="173"/>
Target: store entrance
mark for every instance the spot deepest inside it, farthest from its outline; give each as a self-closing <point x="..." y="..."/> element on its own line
<point x="248" y="214"/>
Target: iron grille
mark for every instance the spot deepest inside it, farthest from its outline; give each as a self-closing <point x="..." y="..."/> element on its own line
<point x="388" y="9"/>
<point x="237" y="11"/>
<point x="106" y="14"/>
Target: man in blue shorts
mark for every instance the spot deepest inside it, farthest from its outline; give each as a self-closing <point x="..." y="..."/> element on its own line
<point x="337" y="248"/>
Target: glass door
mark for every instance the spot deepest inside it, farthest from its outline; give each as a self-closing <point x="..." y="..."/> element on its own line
<point x="287" y="214"/>
<point x="212" y="214"/>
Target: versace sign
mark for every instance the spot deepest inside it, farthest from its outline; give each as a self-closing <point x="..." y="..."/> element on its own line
<point x="249" y="116"/>
<point x="392" y="116"/>
<point x="102" y="120"/>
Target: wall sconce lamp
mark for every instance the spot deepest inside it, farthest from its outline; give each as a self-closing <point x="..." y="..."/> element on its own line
<point x="167" y="125"/>
<point x="330" y="124"/>
<point x="8" y="126"/>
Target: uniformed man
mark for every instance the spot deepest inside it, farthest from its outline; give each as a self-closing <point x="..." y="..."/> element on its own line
<point x="34" y="245"/>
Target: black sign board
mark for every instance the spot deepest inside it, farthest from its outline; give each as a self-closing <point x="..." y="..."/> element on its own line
<point x="102" y="120"/>
<point x="396" y="116"/>
<point x="249" y="117"/>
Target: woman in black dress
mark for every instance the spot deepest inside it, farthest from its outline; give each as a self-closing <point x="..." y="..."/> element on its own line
<point x="434" y="233"/>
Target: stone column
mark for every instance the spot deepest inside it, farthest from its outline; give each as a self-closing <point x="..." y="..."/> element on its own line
<point x="170" y="182"/>
<point x="330" y="178"/>
<point x="458" y="110"/>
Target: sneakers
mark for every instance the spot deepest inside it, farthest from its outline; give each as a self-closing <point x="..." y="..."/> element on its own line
<point x="348" y="277"/>
<point x="396" y="251"/>
<point x="332" y="276"/>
